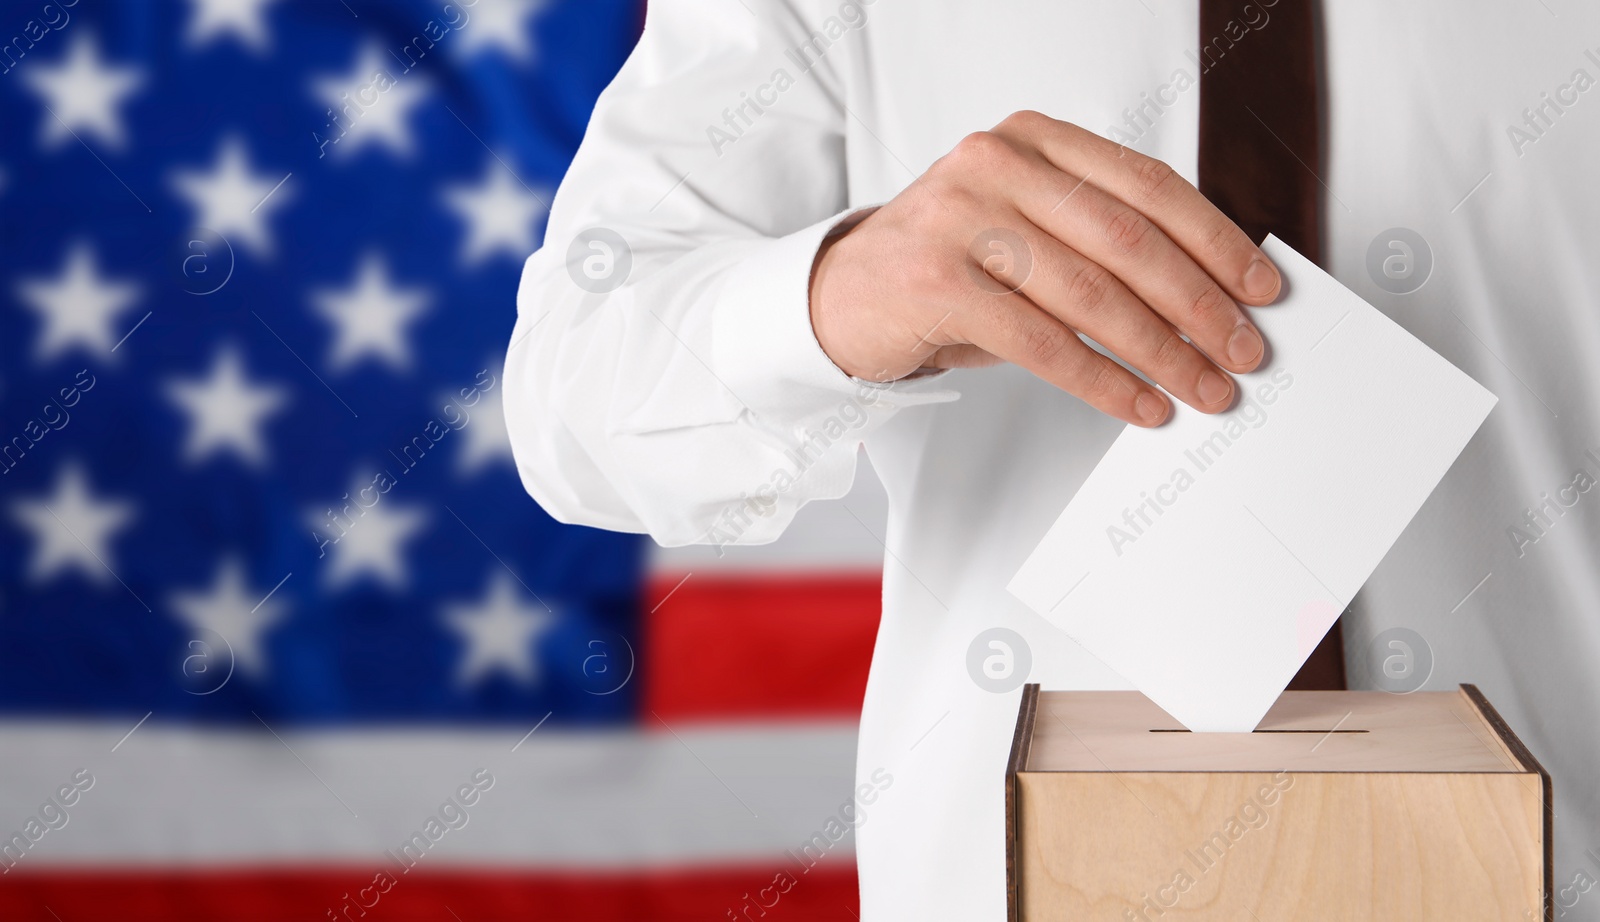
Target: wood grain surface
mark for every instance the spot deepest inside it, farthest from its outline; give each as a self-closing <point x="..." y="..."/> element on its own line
<point x="1419" y="808"/>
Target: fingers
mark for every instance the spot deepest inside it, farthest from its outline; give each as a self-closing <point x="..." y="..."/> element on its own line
<point x="1111" y="233"/>
<point x="1156" y="190"/>
<point x="1008" y="325"/>
<point x="1086" y="296"/>
<point x="1122" y="248"/>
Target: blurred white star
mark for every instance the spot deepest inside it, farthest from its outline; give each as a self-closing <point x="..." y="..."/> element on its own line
<point x="233" y="610"/>
<point x="82" y="94"/>
<point x="71" y="530"/>
<point x="373" y="526"/>
<point x="78" y="306"/>
<point x="371" y="104"/>
<point x="500" y="213"/>
<point x="501" y="632"/>
<point x="244" y="19"/>
<point x="371" y="316"/>
<point x="231" y="199"/>
<point x="485" y="434"/>
<point x="225" y="411"/>
<point x="504" y="24"/>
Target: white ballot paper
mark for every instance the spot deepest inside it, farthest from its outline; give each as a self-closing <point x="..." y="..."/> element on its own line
<point x="1205" y="559"/>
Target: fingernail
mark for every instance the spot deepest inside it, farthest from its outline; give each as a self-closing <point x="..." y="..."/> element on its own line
<point x="1244" y="345"/>
<point x="1260" y="279"/>
<point x="1213" y="388"/>
<point x="1152" y="409"/>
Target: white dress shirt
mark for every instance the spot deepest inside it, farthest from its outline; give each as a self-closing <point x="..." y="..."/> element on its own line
<point x="692" y="403"/>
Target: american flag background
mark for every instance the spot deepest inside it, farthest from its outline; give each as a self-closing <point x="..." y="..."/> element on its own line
<point x="281" y="635"/>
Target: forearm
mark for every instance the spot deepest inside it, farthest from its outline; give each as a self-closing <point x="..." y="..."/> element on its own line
<point x="689" y="398"/>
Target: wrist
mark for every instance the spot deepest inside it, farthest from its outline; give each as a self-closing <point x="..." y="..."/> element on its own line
<point x="833" y="302"/>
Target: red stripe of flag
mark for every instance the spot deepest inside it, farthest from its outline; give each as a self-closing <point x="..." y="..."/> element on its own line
<point x="759" y="647"/>
<point x="749" y="895"/>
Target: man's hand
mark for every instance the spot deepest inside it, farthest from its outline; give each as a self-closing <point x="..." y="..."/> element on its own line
<point x="1022" y="235"/>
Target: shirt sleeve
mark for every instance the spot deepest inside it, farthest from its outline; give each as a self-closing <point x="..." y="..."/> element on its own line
<point x="663" y="376"/>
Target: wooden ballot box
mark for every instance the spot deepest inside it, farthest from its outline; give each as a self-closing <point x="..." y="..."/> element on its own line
<point x="1341" y="806"/>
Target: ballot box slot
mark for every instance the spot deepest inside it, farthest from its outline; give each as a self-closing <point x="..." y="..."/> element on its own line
<point x="1182" y="730"/>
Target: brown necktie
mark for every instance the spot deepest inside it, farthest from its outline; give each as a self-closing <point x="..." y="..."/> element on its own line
<point x="1261" y="153"/>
